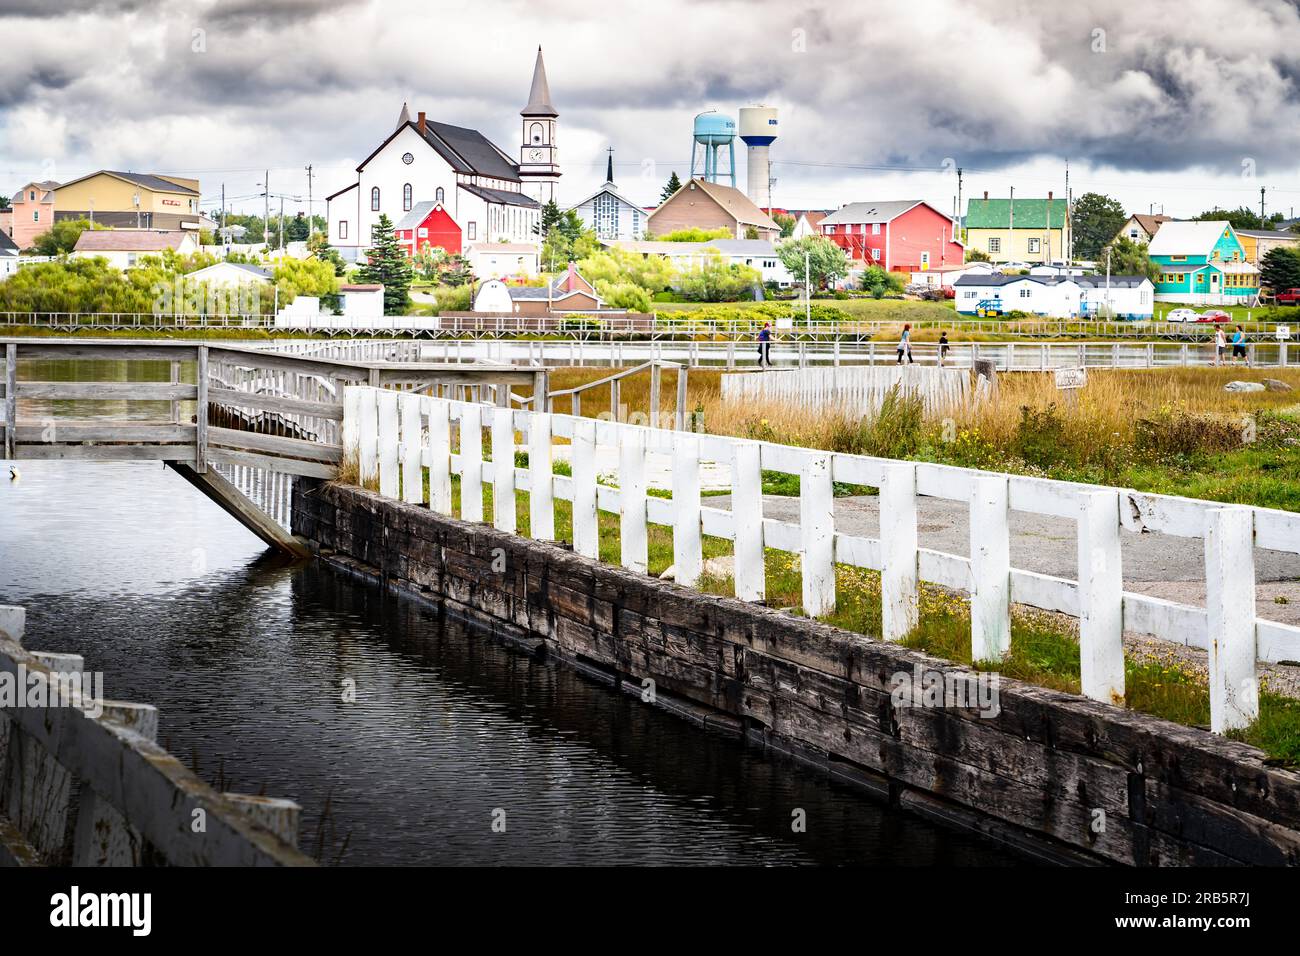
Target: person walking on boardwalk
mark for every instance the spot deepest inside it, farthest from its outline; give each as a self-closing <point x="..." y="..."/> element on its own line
<point x="1220" y="346"/>
<point x="765" y="345"/>
<point x="1239" y="345"/>
<point x="905" y="345"/>
<point x="943" y="348"/>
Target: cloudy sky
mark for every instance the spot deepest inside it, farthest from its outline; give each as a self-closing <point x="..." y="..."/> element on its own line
<point x="1180" y="104"/>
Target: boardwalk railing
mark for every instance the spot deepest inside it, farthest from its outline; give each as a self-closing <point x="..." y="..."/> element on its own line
<point x="397" y="437"/>
<point x="664" y="324"/>
<point x="1010" y="356"/>
<point x="83" y="783"/>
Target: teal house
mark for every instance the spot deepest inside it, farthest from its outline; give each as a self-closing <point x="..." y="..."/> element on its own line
<point x="1202" y="263"/>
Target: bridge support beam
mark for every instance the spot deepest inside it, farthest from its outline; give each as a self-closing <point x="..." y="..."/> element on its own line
<point x="234" y="503"/>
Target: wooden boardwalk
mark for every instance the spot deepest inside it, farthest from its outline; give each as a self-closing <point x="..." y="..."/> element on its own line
<point x="236" y="421"/>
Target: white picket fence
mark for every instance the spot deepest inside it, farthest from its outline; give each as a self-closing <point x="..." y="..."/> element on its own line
<point x="395" y="436"/>
<point x="859" y="390"/>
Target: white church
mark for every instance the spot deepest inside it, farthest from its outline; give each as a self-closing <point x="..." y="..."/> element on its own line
<point x="488" y="196"/>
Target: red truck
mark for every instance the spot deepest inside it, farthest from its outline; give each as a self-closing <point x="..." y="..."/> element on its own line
<point x="1288" y="297"/>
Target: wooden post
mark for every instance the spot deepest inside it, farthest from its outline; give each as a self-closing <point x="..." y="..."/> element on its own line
<point x="438" y="444"/>
<point x="368" y="435"/>
<point x="586" y="528"/>
<point x="632" y="531"/>
<point x="11" y="401"/>
<point x="541" y="478"/>
<point x="654" y="395"/>
<point x="388" y="440"/>
<point x="613" y="401"/>
<point x="681" y="412"/>
<point x="1230" y="607"/>
<point x="1101" y="598"/>
<point x="175" y="378"/>
<point x="412" y="471"/>
<point x="351" y="420"/>
<point x="899" y="576"/>
<point x="503" y="470"/>
<point x="817" y="528"/>
<point x="201" y="412"/>
<point x="750" y="576"/>
<point x="990" y="570"/>
<point x="541" y="397"/>
<point x="688" y="553"/>
<point x="471" y="462"/>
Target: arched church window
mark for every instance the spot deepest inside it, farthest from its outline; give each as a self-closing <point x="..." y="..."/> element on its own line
<point x="374" y="199"/>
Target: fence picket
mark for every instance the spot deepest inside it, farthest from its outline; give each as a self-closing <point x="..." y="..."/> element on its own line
<point x="688" y="554"/>
<point x="1230" y="605"/>
<point x="633" y="533"/>
<point x="990" y="566"/>
<point x="586" y="526"/>
<point x="541" y="478"/>
<point x="750" y="575"/>
<point x="503" y="470"/>
<point x="412" y="434"/>
<point x="817" y="527"/>
<point x="1101" y="598"/>
<point x="471" y="462"/>
<point x="900" y="579"/>
<point x="438" y="446"/>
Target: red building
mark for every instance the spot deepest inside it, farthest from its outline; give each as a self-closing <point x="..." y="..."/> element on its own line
<point x="906" y="235"/>
<point x="428" y="224"/>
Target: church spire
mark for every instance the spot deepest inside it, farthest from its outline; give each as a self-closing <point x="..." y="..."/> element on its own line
<point x="539" y="96"/>
<point x="609" y="168"/>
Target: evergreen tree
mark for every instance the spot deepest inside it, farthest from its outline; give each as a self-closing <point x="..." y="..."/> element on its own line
<point x="1128" y="258"/>
<point x="1279" y="270"/>
<point x="674" y="184"/>
<point x="1096" y="219"/>
<point x="387" y="264"/>
<point x="551" y="217"/>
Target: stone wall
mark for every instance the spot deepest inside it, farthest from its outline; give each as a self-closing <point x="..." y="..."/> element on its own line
<point x="1058" y="775"/>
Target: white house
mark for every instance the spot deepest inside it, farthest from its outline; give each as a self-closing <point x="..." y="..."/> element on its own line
<point x="1122" y="297"/>
<point x="8" y="256"/>
<point x="489" y="196"/>
<point x="1036" y="295"/>
<point x="230" y="275"/>
<point x="808" y="223"/>
<point x="124" y="248"/>
<point x="610" y="214"/>
<point x="493" y="260"/>
<point x="758" y="254"/>
<point x="945" y="277"/>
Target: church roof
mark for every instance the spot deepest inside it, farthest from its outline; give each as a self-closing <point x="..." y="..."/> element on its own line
<point x="501" y="196"/>
<point x="404" y="117"/>
<point x="539" y="97"/>
<point x="469" y="151"/>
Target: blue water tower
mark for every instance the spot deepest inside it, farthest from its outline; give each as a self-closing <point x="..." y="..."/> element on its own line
<point x="712" y="132"/>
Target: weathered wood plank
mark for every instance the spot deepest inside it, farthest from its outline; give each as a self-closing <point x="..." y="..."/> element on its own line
<point x="275" y="445"/>
<point x="108" y="391"/>
<point x="275" y="403"/>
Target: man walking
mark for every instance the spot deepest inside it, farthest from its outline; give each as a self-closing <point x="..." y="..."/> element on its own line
<point x="943" y="348"/>
<point x="765" y="345"/>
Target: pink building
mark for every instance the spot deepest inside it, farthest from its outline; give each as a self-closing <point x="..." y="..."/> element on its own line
<point x="33" y="212"/>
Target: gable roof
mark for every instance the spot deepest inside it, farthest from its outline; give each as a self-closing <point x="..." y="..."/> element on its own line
<point x="45" y="186"/>
<point x="1190" y="237"/>
<point x="732" y="201"/>
<point x="609" y="188"/>
<point x="815" y="217"/>
<point x="419" y="212"/>
<point x="1029" y="213"/>
<point x="7" y="246"/>
<point x="870" y="211"/>
<point x="1150" y="224"/>
<point x="256" y="272"/>
<point x="465" y="150"/>
<point x="1269" y="234"/>
<point x="130" y="240"/>
<point x="144" y="180"/>
<point x="1116" y="282"/>
<point x="506" y="196"/>
<point x="998" y="279"/>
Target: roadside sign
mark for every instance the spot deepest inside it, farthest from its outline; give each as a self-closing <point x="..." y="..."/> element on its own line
<point x="1282" y="332"/>
<point x="1071" y="378"/>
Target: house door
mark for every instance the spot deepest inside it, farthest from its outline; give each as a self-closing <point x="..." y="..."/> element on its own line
<point x="1214" y="283"/>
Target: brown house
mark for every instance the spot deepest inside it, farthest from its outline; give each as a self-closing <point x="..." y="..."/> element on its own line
<point x="704" y="205"/>
<point x="568" y="292"/>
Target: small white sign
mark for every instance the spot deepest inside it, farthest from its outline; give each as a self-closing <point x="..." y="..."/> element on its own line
<point x="1282" y="332"/>
<point x="1071" y="377"/>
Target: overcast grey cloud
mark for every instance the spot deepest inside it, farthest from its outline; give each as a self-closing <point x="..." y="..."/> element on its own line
<point x="1157" y="102"/>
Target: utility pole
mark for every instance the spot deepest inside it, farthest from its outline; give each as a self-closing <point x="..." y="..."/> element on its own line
<point x="266" y="209"/>
<point x="282" y="222"/>
<point x="1108" y="283"/>
<point x="807" y="288"/>
<point x="1261" y="203"/>
<point x="957" y="223"/>
<point x="311" y="222"/>
<point x="1067" y="225"/>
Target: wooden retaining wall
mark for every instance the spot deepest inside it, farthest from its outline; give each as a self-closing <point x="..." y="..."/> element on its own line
<point x="1072" y="778"/>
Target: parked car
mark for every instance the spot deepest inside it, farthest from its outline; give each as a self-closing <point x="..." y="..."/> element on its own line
<point x="1182" y="315"/>
<point x="1214" y="315"/>
<point x="1288" y="297"/>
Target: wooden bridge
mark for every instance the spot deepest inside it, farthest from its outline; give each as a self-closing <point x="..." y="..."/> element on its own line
<point x="237" y="422"/>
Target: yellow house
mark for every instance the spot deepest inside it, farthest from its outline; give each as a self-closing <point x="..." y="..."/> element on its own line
<point x="1258" y="242"/>
<point x="130" y="200"/>
<point x="1019" y="230"/>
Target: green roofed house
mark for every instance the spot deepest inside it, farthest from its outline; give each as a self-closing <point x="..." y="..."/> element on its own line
<point x="1017" y="230"/>
<point x="1202" y="263"/>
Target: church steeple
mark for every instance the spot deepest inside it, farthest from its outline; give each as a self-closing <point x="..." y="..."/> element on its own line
<point x="404" y="117"/>
<point x="538" y="163"/>
<point x="609" y="167"/>
<point x="539" y="96"/>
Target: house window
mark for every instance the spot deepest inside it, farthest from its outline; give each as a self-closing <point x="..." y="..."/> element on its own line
<point x="31" y="196"/>
<point x="406" y="198"/>
<point x="343" y="228"/>
<point x="995" y="244"/>
<point x="471" y="230"/>
<point x="1033" y="244"/>
<point x="423" y="232"/>
<point x="1024" y="293"/>
<point x="439" y="195"/>
<point x="1132" y="233"/>
<point x="925" y="258"/>
<point x="36" y="215"/>
<point x="875" y="228"/>
<point x="374" y="199"/>
<point x="1177" y="258"/>
<point x="875" y="254"/>
<point x="130" y="259"/>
